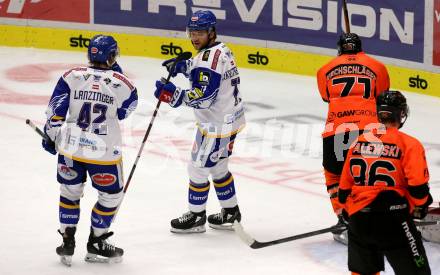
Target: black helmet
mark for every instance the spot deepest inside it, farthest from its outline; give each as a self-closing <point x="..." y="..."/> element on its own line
<point x="349" y="43"/>
<point x="392" y="107"/>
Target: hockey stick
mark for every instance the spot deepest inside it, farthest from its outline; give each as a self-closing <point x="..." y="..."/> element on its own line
<point x="36" y="129"/>
<point x="251" y="242"/>
<point x="426" y="223"/>
<point x="180" y="57"/>
<point x="347" y="20"/>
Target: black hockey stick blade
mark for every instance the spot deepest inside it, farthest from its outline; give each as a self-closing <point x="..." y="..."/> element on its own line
<point x="244" y="236"/>
<point x="180" y="57"/>
<point x="36" y="129"/>
<point x="184" y="56"/>
<point x="426" y="223"/>
<point x="251" y="242"/>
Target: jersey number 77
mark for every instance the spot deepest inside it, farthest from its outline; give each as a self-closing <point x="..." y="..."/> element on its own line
<point x="350" y="81"/>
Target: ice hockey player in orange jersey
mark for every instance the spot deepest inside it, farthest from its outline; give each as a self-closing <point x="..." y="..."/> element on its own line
<point x="349" y="83"/>
<point x="384" y="185"/>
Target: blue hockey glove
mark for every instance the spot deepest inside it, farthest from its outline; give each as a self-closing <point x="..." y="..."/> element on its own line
<point x="49" y="146"/>
<point x="169" y="93"/>
<point x="180" y="67"/>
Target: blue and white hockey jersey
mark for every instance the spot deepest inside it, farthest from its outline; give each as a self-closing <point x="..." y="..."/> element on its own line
<point x="84" y="112"/>
<point x="215" y="92"/>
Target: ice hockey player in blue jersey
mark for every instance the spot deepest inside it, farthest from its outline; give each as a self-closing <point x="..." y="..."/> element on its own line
<point x="215" y="98"/>
<point x="83" y="125"/>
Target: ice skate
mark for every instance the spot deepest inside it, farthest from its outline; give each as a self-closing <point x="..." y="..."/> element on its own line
<point x="100" y="251"/>
<point x="67" y="248"/>
<point x="341" y="235"/>
<point x="225" y="219"/>
<point x="189" y="222"/>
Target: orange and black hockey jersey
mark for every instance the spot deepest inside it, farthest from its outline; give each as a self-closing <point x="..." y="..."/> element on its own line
<point x="350" y="84"/>
<point x="376" y="163"/>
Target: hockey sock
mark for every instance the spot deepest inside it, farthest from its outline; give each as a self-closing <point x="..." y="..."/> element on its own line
<point x="332" y="190"/>
<point x="198" y="196"/>
<point x="225" y="190"/>
<point x="332" y="183"/>
<point x="68" y="211"/>
<point x="102" y="216"/>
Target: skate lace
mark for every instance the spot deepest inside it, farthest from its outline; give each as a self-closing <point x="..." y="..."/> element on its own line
<point x="68" y="240"/>
<point x="185" y="217"/>
<point x="219" y="216"/>
<point x="107" y="246"/>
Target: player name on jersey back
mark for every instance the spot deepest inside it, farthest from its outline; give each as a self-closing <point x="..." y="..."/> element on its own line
<point x="374" y="149"/>
<point x="345" y="69"/>
<point x="93" y="96"/>
<point x="96" y="100"/>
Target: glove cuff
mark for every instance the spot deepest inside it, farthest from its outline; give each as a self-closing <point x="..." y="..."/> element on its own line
<point x="177" y="99"/>
<point x="51" y="131"/>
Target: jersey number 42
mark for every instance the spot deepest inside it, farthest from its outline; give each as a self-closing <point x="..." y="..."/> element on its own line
<point x="85" y="117"/>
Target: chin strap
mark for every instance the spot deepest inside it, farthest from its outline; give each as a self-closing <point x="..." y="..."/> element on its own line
<point x="402" y="121"/>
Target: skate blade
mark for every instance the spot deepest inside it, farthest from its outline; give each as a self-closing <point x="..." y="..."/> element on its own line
<point x="198" y="229"/>
<point x="94" y="258"/>
<point x="226" y="226"/>
<point x="341" y="238"/>
<point x="66" y="260"/>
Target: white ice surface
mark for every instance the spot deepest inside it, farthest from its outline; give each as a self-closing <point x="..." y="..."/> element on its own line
<point x="278" y="176"/>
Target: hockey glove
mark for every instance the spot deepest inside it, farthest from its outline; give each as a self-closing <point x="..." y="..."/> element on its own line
<point x="169" y="93"/>
<point x="49" y="146"/>
<point x="420" y="212"/>
<point x="180" y="67"/>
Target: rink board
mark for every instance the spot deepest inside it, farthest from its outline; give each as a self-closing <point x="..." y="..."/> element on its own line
<point x="247" y="56"/>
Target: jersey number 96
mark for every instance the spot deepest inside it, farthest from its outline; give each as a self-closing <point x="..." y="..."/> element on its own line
<point x="370" y="175"/>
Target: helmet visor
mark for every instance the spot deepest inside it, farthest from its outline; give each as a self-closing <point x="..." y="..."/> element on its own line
<point x="196" y="33"/>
